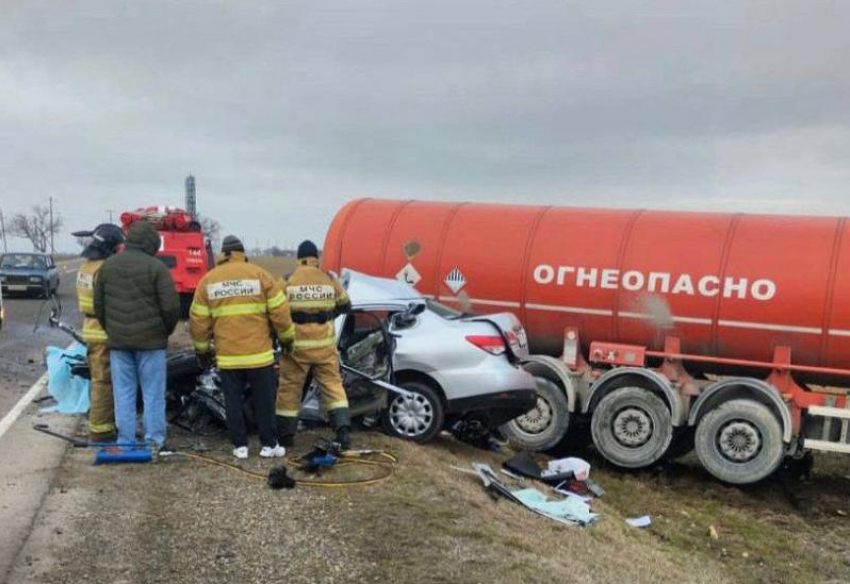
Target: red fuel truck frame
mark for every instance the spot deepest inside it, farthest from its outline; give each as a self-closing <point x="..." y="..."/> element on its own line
<point x="184" y="250"/>
<point x="692" y="331"/>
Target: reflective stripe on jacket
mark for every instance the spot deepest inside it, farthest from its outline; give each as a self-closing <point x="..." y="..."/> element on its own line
<point x="239" y="304"/>
<point x="311" y="290"/>
<point x="92" y="331"/>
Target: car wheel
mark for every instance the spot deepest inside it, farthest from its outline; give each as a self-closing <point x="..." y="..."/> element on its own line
<point x="544" y="426"/>
<point x="740" y="442"/>
<point x="631" y="427"/>
<point x="419" y="418"/>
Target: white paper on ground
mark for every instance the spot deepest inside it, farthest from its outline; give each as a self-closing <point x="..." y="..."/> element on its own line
<point x="580" y="468"/>
<point x="644" y="521"/>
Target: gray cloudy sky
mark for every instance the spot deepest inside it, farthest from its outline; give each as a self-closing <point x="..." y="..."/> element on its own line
<point x="285" y="110"/>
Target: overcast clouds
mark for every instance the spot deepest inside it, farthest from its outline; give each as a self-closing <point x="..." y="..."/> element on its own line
<point x="283" y="111"/>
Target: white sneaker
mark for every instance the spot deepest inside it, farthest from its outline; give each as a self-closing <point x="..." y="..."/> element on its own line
<point x="276" y="451"/>
<point x="241" y="452"/>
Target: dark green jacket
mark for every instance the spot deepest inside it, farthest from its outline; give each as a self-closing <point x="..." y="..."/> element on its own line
<point x="134" y="295"/>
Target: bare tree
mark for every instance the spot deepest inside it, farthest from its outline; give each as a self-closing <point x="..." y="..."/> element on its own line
<point x="212" y="229"/>
<point x="36" y="226"/>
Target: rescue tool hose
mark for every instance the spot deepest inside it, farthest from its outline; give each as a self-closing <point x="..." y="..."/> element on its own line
<point x="384" y="461"/>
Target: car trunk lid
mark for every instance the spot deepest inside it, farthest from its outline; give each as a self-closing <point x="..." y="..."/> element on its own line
<point x="511" y="330"/>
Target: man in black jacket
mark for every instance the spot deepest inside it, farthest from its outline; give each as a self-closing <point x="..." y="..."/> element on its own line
<point x="138" y="306"/>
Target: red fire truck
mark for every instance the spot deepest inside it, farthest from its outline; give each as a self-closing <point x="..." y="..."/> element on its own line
<point x="184" y="248"/>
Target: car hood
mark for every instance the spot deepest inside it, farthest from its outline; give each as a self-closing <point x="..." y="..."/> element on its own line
<point x="369" y="290"/>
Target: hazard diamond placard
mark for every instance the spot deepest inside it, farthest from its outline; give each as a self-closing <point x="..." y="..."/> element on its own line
<point x="408" y="275"/>
<point x="455" y="280"/>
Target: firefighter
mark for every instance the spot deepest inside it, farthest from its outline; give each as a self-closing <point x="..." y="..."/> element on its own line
<point x="237" y="304"/>
<point x="315" y="298"/>
<point x="105" y="241"/>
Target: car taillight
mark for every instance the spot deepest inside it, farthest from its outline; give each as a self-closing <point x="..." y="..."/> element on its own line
<point x="493" y="344"/>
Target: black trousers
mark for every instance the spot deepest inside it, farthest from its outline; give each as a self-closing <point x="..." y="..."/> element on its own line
<point x="263" y="383"/>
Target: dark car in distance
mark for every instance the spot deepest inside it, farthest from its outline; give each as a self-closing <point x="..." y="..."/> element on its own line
<point x="28" y="273"/>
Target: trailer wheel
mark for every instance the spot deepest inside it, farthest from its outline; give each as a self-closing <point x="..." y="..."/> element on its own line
<point x="631" y="427"/>
<point x="740" y="442"/>
<point x="544" y="426"/>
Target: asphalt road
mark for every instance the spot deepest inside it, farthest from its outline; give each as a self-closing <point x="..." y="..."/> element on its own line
<point x="28" y="460"/>
<point x="22" y="345"/>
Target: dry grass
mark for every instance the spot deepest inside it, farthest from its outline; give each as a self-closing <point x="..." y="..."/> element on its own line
<point x="276" y="265"/>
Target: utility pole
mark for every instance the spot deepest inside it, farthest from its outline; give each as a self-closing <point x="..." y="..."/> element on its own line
<point x="3" y="231"/>
<point x="52" y="249"/>
<point x="110" y="214"/>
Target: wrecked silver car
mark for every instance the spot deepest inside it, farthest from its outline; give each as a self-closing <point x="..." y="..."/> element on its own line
<point x="455" y="365"/>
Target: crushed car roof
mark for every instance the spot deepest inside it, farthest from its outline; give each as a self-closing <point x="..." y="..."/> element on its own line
<point x="363" y="289"/>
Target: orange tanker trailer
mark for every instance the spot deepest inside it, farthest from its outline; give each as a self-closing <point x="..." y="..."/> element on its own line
<point x="666" y="330"/>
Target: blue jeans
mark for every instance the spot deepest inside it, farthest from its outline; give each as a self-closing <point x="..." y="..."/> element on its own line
<point x="130" y="369"/>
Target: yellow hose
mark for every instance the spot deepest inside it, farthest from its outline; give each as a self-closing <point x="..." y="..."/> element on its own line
<point x="351" y="458"/>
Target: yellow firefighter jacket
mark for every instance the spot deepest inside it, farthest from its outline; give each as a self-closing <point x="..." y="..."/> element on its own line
<point x="92" y="331"/>
<point x="314" y="296"/>
<point x="239" y="304"/>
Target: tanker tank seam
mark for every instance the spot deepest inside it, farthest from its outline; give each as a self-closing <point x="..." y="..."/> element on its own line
<point x="482" y="301"/>
<point x="769" y="326"/>
<point x="443" y="233"/>
<point x="830" y="299"/>
<point x="621" y="257"/>
<point x="725" y="254"/>
<point x="526" y="261"/>
<point x="388" y="233"/>
<point x="344" y="229"/>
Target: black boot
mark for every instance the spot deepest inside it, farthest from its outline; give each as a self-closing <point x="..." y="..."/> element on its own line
<point x="343" y="437"/>
<point x="286" y="428"/>
<point x="340" y="419"/>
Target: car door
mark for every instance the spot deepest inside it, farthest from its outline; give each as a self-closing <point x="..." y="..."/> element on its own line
<point x="366" y="345"/>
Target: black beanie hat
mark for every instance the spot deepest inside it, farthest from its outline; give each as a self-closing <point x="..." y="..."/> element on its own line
<point x="231" y="243"/>
<point x="307" y="249"/>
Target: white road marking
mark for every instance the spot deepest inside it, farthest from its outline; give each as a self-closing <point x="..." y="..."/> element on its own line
<point x="22" y="404"/>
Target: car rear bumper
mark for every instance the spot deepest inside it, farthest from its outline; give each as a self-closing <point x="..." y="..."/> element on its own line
<point x="500" y="406"/>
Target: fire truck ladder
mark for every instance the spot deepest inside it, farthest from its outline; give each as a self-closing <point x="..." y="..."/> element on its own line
<point x="833" y="438"/>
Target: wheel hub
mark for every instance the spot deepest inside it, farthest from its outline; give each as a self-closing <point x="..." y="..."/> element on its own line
<point x="632" y="427"/>
<point x="739" y="441"/>
<point x="536" y="420"/>
<point x="411" y="416"/>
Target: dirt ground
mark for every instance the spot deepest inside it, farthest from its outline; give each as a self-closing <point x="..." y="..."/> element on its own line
<point x="181" y="520"/>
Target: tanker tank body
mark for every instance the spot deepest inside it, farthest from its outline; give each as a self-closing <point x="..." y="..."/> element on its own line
<point x="636" y="305"/>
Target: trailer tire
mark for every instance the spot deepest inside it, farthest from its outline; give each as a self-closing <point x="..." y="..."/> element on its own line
<point x="527" y="432"/>
<point x="632" y="427"/>
<point x="740" y="442"/>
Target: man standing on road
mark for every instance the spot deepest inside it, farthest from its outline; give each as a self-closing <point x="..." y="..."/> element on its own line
<point x="237" y="305"/>
<point x="138" y="306"/>
<point x="105" y="239"/>
<point x="316" y="298"/>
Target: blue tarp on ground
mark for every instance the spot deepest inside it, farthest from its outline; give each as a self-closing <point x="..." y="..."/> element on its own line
<point x="70" y="392"/>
